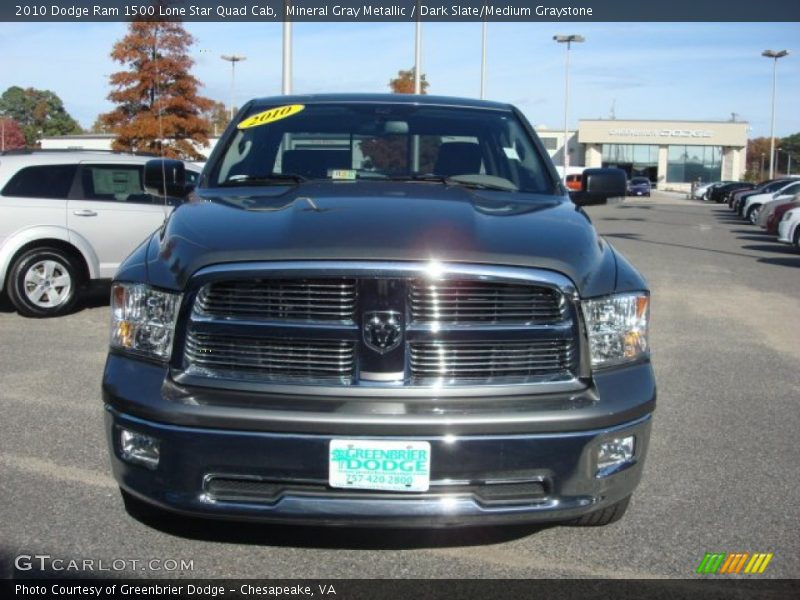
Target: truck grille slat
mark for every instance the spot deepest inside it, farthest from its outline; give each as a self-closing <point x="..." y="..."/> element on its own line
<point x="506" y="360"/>
<point x="484" y="302"/>
<point x="272" y="359"/>
<point x="279" y="299"/>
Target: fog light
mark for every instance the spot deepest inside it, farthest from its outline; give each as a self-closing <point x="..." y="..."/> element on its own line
<point x="613" y="454"/>
<point x="139" y="448"/>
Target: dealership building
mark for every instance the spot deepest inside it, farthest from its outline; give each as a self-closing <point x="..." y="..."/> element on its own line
<point x="672" y="154"/>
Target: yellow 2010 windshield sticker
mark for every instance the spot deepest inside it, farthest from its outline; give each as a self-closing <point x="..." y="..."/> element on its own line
<point x="271" y="115"/>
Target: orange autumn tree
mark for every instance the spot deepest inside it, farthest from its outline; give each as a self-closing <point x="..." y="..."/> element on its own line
<point x="158" y="106"/>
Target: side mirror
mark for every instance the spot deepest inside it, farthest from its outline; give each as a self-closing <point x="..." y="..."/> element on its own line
<point x="164" y="176"/>
<point x="598" y="185"/>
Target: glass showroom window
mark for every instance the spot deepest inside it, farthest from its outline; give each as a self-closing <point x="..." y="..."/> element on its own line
<point x="637" y="160"/>
<point x="694" y="163"/>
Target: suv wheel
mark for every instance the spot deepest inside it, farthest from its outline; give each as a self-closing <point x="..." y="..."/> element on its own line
<point x="604" y="516"/>
<point x="43" y="282"/>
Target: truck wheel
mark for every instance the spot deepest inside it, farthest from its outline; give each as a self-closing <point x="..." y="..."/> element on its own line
<point x="139" y="509"/>
<point x="43" y="282"/>
<point x="604" y="516"/>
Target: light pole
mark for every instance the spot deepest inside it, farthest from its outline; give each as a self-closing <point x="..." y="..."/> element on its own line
<point x="761" y="170"/>
<point x="774" y="56"/>
<point x="418" y="57"/>
<point x="483" y="59"/>
<point x="233" y="59"/>
<point x="286" y="79"/>
<point x="568" y="40"/>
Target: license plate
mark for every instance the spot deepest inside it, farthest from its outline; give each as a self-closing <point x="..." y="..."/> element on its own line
<point x="379" y="465"/>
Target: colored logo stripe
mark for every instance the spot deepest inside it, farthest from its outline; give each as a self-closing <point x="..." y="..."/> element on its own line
<point x="732" y="564"/>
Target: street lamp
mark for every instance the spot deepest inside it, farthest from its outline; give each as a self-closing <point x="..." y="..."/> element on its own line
<point x="233" y="59"/>
<point x="568" y="40"/>
<point x="483" y="58"/>
<point x="774" y="56"/>
<point x="761" y="170"/>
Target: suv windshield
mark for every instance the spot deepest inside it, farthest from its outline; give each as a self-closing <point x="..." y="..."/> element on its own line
<point x="290" y="144"/>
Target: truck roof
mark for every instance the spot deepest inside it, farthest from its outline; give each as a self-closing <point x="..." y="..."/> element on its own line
<point x="383" y="99"/>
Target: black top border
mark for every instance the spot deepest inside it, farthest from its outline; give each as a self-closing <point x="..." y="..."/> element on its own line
<point x="400" y="10"/>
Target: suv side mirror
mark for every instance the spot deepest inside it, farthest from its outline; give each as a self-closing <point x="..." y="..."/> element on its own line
<point x="165" y="176"/>
<point x="598" y="185"/>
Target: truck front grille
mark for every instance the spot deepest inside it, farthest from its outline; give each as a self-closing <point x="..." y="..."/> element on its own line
<point x="490" y="363"/>
<point x="366" y="324"/>
<point x="282" y="299"/>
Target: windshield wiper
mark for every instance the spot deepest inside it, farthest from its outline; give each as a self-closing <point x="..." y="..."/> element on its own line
<point x="476" y="181"/>
<point x="271" y="179"/>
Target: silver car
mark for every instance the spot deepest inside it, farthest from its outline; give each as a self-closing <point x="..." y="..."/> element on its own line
<point x="67" y="218"/>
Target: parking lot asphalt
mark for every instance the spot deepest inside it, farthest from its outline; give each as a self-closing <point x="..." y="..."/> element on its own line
<point x="722" y="474"/>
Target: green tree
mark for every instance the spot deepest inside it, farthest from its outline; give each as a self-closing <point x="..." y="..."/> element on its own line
<point x="38" y="112"/>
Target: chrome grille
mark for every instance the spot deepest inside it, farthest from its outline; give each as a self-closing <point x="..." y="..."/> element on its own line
<point x="271" y="359"/>
<point x="491" y="362"/>
<point x="483" y="302"/>
<point x="280" y="299"/>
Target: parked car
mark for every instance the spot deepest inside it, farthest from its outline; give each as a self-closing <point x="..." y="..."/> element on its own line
<point x="703" y="191"/>
<point x="766" y="187"/>
<point x="785" y="195"/>
<point x="573" y="181"/>
<point x="639" y="186"/>
<point x="68" y="218"/>
<point x="343" y="333"/>
<point x="716" y="195"/>
<point x="751" y="206"/>
<point x="777" y="216"/>
<point x="789" y="228"/>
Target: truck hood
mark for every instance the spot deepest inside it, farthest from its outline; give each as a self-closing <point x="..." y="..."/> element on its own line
<point x="381" y="221"/>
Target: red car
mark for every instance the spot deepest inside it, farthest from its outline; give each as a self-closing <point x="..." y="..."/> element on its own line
<point x="777" y="215"/>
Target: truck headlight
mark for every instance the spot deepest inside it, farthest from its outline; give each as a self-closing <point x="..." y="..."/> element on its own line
<point x="617" y="327"/>
<point x="143" y="319"/>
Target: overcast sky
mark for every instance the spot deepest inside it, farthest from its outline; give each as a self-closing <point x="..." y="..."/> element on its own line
<point x="693" y="71"/>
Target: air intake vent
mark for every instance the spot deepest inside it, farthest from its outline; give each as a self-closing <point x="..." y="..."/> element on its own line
<point x="271" y="359"/>
<point x="280" y="299"/>
<point x="500" y="362"/>
<point x="484" y="302"/>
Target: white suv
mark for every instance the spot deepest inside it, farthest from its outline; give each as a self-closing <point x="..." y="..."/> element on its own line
<point x="67" y="218"/>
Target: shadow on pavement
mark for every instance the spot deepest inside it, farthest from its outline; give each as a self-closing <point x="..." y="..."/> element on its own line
<point x="351" y="538"/>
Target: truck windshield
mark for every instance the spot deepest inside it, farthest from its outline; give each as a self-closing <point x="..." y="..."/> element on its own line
<point x="291" y="144"/>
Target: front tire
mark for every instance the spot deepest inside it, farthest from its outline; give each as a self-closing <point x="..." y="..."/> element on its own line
<point x="44" y="282"/>
<point x="604" y="516"/>
<point x="752" y="214"/>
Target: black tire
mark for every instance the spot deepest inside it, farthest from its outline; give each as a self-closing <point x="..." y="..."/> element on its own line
<point x="139" y="509"/>
<point x="752" y="213"/>
<point x="59" y="276"/>
<point x="604" y="516"/>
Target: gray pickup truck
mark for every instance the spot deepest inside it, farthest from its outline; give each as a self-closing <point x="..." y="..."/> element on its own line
<point x="379" y="310"/>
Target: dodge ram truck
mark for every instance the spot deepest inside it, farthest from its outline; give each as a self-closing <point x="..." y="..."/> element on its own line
<point x="379" y="310"/>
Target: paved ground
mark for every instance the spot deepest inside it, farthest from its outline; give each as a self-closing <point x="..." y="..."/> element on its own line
<point x="722" y="474"/>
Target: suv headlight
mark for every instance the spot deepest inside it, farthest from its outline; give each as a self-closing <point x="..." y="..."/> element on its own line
<point x="143" y="319"/>
<point x="617" y="327"/>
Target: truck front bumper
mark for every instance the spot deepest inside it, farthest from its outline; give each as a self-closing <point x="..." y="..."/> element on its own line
<point x="223" y="456"/>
